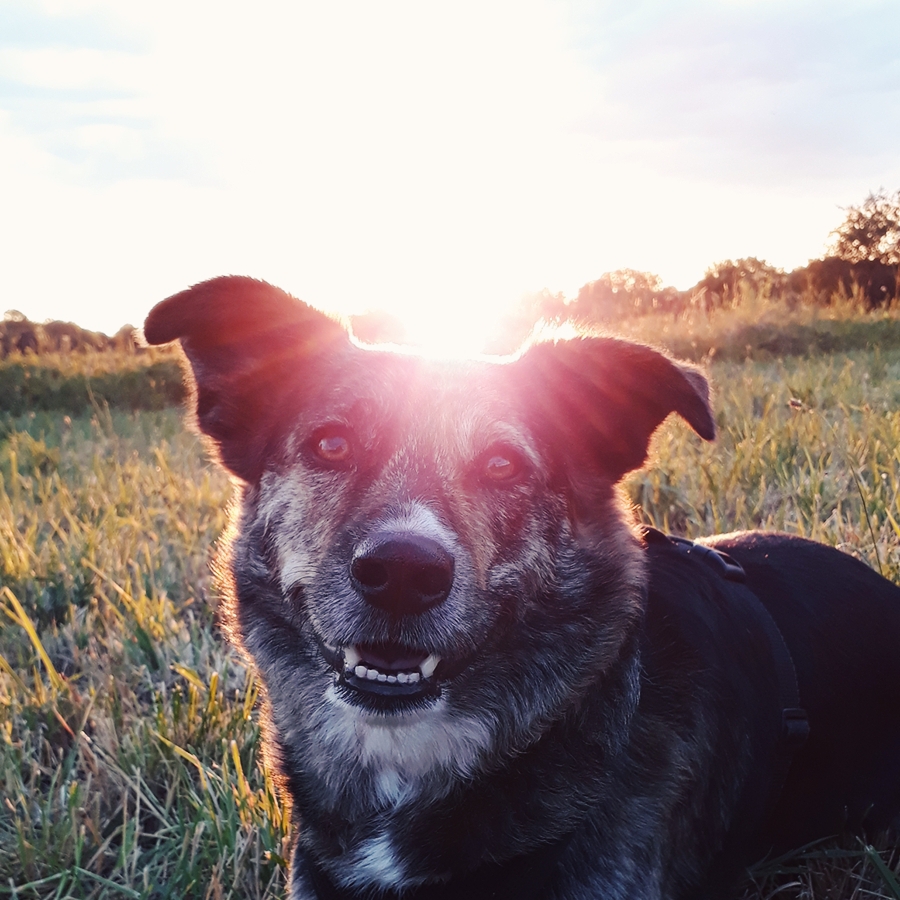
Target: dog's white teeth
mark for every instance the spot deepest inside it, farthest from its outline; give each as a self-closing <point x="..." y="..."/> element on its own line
<point x="353" y="665"/>
<point x="428" y="666"/>
<point x="361" y="671"/>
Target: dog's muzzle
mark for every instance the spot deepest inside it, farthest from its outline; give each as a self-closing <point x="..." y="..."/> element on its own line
<point x="401" y="575"/>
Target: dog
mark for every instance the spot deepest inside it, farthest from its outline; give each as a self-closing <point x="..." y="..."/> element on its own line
<point x="482" y="679"/>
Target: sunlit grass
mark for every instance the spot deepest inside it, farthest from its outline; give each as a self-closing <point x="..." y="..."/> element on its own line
<point x="763" y="329"/>
<point x="129" y="756"/>
<point x="129" y="738"/>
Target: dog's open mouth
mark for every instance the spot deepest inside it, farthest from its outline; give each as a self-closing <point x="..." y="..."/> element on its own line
<point x="385" y="672"/>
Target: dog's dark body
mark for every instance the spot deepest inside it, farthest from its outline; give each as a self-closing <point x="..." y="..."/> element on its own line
<point x="481" y="680"/>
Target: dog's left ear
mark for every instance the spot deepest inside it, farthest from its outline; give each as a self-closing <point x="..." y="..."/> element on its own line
<point x="251" y="348"/>
<point x="608" y="396"/>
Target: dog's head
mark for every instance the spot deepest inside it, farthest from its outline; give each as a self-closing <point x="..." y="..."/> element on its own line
<point x="430" y="562"/>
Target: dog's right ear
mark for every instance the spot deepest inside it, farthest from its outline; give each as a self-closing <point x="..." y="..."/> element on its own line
<point x="604" y="398"/>
<point x="246" y="342"/>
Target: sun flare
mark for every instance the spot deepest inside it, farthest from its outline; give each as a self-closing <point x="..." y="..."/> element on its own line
<point x="445" y="328"/>
<point x="452" y="336"/>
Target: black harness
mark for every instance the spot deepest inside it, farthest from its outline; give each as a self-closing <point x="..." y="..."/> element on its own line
<point x="794" y="721"/>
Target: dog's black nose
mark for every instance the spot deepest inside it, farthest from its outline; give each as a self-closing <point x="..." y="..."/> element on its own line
<point x="403" y="575"/>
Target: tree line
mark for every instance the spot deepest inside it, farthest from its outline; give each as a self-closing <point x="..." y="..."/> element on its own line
<point x="861" y="264"/>
<point x="19" y="334"/>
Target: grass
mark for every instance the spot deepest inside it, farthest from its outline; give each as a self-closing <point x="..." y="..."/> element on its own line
<point x="78" y="382"/>
<point x="129" y="737"/>
<point x="764" y="329"/>
<point x="754" y="326"/>
<point x="129" y="756"/>
<point x="832" y="870"/>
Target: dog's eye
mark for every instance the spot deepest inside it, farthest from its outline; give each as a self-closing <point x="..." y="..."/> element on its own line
<point x="501" y="464"/>
<point x="332" y="446"/>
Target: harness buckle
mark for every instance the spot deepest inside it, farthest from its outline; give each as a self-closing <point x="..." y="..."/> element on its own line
<point x="794" y="727"/>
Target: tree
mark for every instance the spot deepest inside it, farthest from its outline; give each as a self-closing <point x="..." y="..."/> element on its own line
<point x="616" y="294"/>
<point x="727" y="279"/>
<point x="871" y="231"/>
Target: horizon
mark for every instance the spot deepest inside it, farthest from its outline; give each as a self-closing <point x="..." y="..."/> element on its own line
<point x="512" y="308"/>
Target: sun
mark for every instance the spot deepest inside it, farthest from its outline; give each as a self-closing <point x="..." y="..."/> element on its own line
<point x="459" y="335"/>
<point x="447" y="330"/>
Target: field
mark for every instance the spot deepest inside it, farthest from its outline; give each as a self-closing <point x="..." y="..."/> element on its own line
<point x="129" y="760"/>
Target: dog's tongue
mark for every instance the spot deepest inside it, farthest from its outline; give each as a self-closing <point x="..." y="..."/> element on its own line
<point x="387" y="658"/>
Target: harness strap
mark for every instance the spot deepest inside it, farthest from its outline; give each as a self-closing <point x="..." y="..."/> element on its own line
<point x="794" y="720"/>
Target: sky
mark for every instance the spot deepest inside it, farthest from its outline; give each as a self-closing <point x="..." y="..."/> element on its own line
<point x="437" y="160"/>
